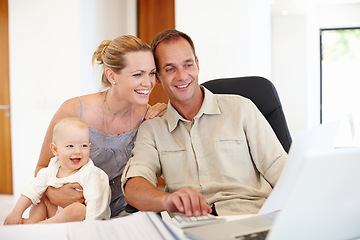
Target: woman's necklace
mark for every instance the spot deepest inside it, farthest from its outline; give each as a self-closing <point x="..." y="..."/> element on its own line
<point x="106" y="106"/>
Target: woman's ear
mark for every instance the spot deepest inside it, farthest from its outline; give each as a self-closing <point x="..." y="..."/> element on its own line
<point x="54" y="149"/>
<point x="110" y="75"/>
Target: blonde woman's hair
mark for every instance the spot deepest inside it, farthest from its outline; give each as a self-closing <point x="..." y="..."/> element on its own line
<point x="111" y="54"/>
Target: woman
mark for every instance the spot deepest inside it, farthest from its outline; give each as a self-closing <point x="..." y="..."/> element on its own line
<point x="113" y="116"/>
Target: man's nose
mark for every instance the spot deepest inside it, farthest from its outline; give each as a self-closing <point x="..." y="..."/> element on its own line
<point x="181" y="74"/>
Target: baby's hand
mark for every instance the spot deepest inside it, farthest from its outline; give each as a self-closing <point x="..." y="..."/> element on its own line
<point x="13" y="219"/>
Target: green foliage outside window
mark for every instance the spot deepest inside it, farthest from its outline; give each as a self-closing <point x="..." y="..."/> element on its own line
<point x="340" y="44"/>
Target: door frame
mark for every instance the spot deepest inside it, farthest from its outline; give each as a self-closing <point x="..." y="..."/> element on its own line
<point x="6" y="186"/>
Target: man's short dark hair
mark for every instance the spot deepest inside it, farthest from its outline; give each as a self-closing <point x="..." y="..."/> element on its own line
<point x="167" y="36"/>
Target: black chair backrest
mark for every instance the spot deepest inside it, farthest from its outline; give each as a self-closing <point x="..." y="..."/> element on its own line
<point x="263" y="94"/>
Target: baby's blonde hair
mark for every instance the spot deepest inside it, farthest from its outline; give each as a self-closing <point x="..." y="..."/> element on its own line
<point x="65" y="122"/>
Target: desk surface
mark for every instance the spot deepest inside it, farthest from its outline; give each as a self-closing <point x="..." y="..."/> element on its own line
<point x="59" y="231"/>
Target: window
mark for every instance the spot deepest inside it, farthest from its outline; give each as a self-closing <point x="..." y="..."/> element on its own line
<point x="340" y="82"/>
<point x="340" y="73"/>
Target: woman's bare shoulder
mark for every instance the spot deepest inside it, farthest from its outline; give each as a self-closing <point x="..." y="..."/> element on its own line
<point x="92" y="109"/>
<point x="72" y="106"/>
<point x="84" y="99"/>
<point x="92" y="99"/>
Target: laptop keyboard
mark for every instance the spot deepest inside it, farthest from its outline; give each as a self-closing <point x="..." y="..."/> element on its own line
<point x="254" y="236"/>
<point x="183" y="221"/>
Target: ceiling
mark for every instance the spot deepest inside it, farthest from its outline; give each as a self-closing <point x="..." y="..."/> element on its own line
<point x="285" y="7"/>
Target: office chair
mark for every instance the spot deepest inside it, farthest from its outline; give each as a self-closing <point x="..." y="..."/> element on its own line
<point x="263" y="94"/>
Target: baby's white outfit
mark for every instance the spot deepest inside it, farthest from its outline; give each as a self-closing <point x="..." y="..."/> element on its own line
<point x="94" y="181"/>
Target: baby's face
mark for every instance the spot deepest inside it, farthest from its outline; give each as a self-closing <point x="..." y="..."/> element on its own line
<point x="73" y="147"/>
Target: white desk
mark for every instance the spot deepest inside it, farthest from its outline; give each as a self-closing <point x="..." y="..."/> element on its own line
<point x="59" y="231"/>
<point x="56" y="231"/>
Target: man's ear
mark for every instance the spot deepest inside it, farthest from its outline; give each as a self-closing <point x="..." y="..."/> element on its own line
<point x="54" y="149"/>
<point x="197" y="62"/>
<point x="157" y="78"/>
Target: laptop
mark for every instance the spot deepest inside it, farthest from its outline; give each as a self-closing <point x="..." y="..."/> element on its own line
<point x="320" y="138"/>
<point x="320" y="203"/>
<point x="325" y="200"/>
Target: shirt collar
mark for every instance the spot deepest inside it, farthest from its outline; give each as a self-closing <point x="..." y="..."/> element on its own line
<point x="209" y="107"/>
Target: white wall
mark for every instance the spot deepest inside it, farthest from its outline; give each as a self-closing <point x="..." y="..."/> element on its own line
<point x="289" y="47"/>
<point x="338" y="15"/>
<point x="232" y="38"/>
<point x="51" y="44"/>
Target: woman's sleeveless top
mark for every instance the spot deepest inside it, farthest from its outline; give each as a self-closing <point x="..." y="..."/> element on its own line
<point x="111" y="153"/>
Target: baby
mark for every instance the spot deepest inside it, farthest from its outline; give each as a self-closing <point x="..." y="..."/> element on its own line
<point x="71" y="163"/>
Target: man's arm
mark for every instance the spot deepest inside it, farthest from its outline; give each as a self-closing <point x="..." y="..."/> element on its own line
<point x="266" y="150"/>
<point x="141" y="194"/>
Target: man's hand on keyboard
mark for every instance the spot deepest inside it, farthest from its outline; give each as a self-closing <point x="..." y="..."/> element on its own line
<point x="187" y="201"/>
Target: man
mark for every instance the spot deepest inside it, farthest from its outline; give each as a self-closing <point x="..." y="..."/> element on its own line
<point x="212" y="150"/>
